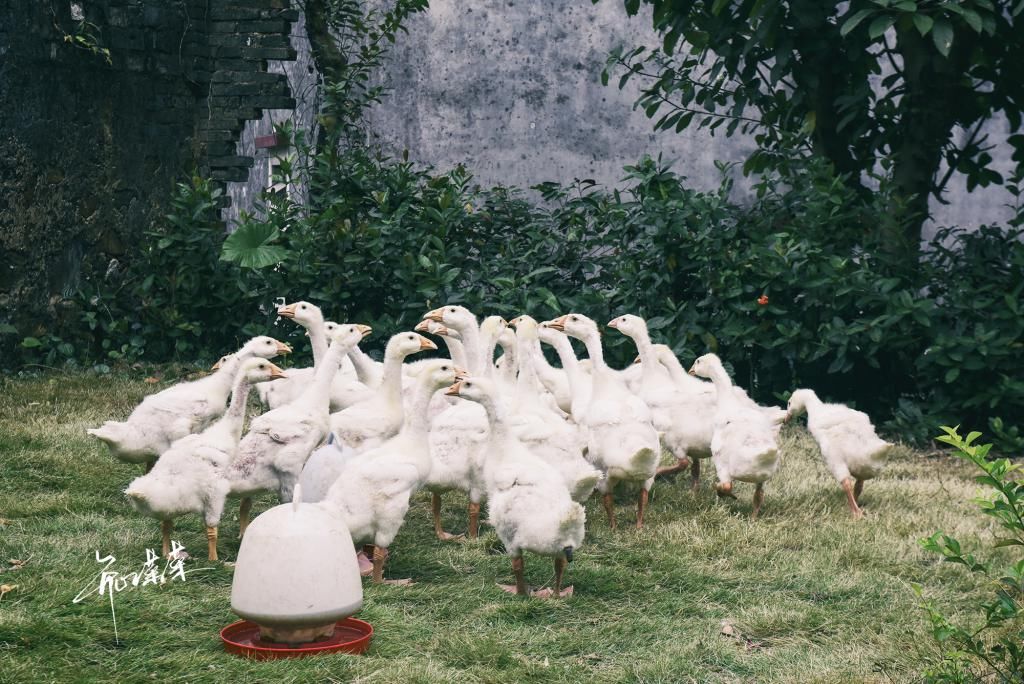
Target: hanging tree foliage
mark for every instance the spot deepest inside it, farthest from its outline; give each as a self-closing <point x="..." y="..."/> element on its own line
<point x="868" y="85"/>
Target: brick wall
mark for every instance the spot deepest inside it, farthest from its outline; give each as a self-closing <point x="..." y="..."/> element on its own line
<point x="90" y="150"/>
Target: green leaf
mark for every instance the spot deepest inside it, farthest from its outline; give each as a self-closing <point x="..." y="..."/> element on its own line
<point x="880" y="25"/>
<point x="952" y="374"/>
<point x="853" y="21"/>
<point x="8" y="329"/>
<point x="942" y="36"/>
<point x="972" y="19"/>
<point x="30" y="343"/>
<point x="250" y="247"/>
<point x="1008" y="541"/>
<point x="718" y="6"/>
<point x="923" y="23"/>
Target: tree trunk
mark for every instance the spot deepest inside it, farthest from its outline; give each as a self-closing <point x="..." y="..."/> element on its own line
<point x="936" y="97"/>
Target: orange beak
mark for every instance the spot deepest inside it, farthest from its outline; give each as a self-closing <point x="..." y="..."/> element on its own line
<point x="276" y="372"/>
<point x="636" y="360"/>
<point x="364" y="330"/>
<point x="693" y="371"/>
<point x="436" y="315"/>
<point x="286" y="311"/>
<point x="283" y="348"/>
<point x="219" y="363"/>
<point x="426" y="344"/>
<point x="423" y="326"/>
<point x="611" y="324"/>
<point x="461" y="373"/>
<point x="515" y="321"/>
<point x="453" y="391"/>
<point x="558" y="324"/>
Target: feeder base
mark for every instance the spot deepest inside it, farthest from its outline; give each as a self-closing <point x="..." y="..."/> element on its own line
<point x="245" y="638"/>
<point x="295" y="636"/>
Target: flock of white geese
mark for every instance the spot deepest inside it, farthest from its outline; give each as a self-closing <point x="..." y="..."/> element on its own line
<point x="532" y="439"/>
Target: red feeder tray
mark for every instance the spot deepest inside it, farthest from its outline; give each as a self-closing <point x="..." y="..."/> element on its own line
<point x="243" y="638"/>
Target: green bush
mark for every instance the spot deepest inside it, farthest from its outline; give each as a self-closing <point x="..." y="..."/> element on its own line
<point x="994" y="649"/>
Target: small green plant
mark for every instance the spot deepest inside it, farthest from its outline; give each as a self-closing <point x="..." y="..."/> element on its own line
<point x="994" y="650"/>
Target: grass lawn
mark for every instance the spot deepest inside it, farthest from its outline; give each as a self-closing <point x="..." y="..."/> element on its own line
<point x="808" y="594"/>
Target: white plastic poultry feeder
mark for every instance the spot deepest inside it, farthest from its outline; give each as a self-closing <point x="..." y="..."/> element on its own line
<point x="296" y="580"/>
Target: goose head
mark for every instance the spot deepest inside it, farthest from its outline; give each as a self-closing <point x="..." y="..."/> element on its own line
<point x="261" y="346"/>
<point x="575" y="325"/>
<point x="440" y="373"/>
<point x="428" y="325"/>
<point x="347" y="335"/>
<point x="706" y="365"/>
<point x="260" y="370"/>
<point x="548" y="334"/>
<point x="526" y="328"/>
<point x="303" y="313"/>
<point x="475" y="388"/>
<point x="407" y="343"/>
<point x="629" y="325"/>
<point x="453" y="316"/>
<point x="492" y="327"/>
<point x="798" y="402"/>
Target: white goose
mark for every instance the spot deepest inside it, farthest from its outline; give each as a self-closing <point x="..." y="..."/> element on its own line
<point x="527" y="503"/>
<point x="543" y="431"/>
<point x="190" y="477"/>
<point x="373" y="491"/>
<point x="310" y="317"/>
<point x="621" y="440"/>
<point x="273" y="452"/>
<point x="578" y="384"/>
<point x="682" y="408"/>
<point x="458" y="435"/>
<point x="848" y="441"/>
<point x="744" y="446"/>
<point x="370" y="422"/>
<point x="183" y="409"/>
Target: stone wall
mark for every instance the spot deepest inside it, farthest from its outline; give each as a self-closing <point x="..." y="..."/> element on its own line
<point x="92" y="141"/>
<point x="511" y="89"/>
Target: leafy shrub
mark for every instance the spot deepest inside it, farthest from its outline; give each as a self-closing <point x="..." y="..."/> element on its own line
<point x="993" y="650"/>
<point x="176" y="299"/>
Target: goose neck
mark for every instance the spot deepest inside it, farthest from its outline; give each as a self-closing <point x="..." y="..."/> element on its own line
<point x="457" y="352"/>
<point x="235" y="415"/>
<point x="319" y="390"/>
<point x="317" y="340"/>
<point x="594" y="350"/>
<point x="471" y="343"/>
<point x="391" y="383"/>
<point x="417" y="421"/>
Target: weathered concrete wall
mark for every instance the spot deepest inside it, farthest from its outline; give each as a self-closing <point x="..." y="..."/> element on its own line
<point x="511" y="89"/>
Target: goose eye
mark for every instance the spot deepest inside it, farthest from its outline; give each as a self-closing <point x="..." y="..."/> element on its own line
<point x="262" y="366"/>
<point x="451" y="310"/>
<point x="444" y="368"/>
<point x="303" y="306"/>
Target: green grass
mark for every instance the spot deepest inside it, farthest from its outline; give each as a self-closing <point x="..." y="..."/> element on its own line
<point x="811" y="595"/>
